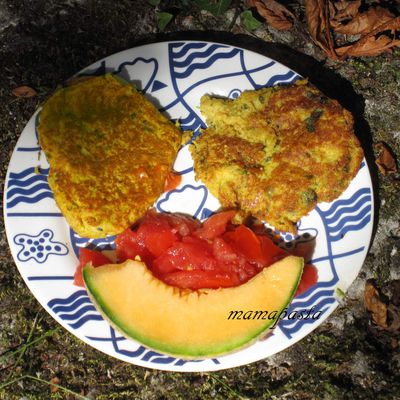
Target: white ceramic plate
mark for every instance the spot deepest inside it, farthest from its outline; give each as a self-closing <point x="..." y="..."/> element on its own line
<point x="174" y="75"/>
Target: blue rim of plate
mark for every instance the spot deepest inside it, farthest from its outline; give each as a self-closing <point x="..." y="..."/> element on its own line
<point x="174" y="75"/>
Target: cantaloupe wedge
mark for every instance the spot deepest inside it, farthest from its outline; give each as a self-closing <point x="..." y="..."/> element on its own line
<point x="191" y="324"/>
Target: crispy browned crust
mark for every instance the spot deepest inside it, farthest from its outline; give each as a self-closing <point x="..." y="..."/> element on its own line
<point x="109" y="150"/>
<point x="274" y="153"/>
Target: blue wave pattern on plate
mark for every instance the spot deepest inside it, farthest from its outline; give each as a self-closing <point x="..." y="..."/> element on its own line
<point x="343" y="216"/>
<point x="348" y="215"/>
<point x="182" y="66"/>
<point x="187" y="65"/>
<point x="142" y="352"/>
<point x="76" y="309"/>
<point x="39" y="247"/>
<point x="289" y="76"/>
<point x="28" y="186"/>
<point x="77" y="242"/>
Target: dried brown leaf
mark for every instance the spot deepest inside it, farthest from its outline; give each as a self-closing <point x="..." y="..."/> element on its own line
<point x="24" y="91"/>
<point x="276" y="14"/>
<point x="375" y="305"/>
<point x="365" y="22"/>
<point x="343" y="10"/>
<point x="317" y="16"/>
<point x="54" y="381"/>
<point x="371" y="44"/>
<point x="394" y="319"/>
<point x="377" y="27"/>
<point x="385" y="160"/>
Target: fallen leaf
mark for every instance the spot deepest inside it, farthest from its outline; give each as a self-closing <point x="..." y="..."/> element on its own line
<point x="371" y="45"/>
<point x="394" y="319"/>
<point x="24" y="91"/>
<point x="368" y="47"/>
<point x="54" y="381"/>
<point x="249" y="22"/>
<point x="385" y="160"/>
<point x="343" y="10"/>
<point x="163" y="19"/>
<point x="276" y="14"/>
<point x="375" y="305"/>
<point x="377" y="28"/>
<point x="365" y="22"/>
<point x="317" y="16"/>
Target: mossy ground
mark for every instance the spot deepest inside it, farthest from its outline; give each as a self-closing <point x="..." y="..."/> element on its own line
<point x="45" y="42"/>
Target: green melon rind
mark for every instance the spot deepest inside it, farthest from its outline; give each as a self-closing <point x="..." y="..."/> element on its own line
<point x="177" y="351"/>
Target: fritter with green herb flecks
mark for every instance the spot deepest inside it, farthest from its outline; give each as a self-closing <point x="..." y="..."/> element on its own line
<point x="274" y="153"/>
<point x="110" y="151"/>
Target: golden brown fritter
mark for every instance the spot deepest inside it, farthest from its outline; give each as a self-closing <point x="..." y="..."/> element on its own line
<point x="109" y="150"/>
<point x="274" y="153"/>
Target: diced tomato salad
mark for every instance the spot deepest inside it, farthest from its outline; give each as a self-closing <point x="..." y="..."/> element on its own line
<point x="182" y="252"/>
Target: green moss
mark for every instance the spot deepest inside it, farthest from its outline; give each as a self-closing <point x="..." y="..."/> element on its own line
<point x="331" y="389"/>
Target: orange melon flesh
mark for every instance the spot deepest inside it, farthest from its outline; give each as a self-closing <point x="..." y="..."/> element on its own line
<point x="184" y="323"/>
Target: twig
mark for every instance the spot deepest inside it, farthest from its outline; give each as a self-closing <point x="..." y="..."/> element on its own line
<point x="235" y="16"/>
<point x="28" y="344"/>
<point x="43" y="381"/>
<point x="226" y="386"/>
<point x="22" y="352"/>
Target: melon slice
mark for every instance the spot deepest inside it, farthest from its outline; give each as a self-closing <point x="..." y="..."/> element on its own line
<point x="191" y="324"/>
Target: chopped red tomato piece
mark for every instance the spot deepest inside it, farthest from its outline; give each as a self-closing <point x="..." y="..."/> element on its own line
<point x="223" y="251"/>
<point x="197" y="279"/>
<point x="271" y="251"/>
<point x="308" y="279"/>
<point x="190" y="253"/>
<point x="129" y="245"/>
<point x="247" y="242"/>
<point x="183" y="224"/>
<point x="87" y="256"/>
<point x="156" y="238"/>
<point x="178" y="223"/>
<point x="215" y="225"/>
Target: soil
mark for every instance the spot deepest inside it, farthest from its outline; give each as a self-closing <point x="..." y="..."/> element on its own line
<point x="350" y="356"/>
